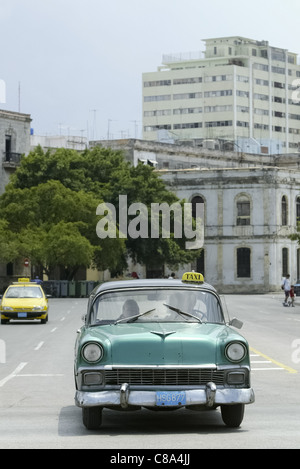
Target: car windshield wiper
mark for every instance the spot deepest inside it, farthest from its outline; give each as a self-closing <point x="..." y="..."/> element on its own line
<point x="178" y="311"/>
<point x="134" y="318"/>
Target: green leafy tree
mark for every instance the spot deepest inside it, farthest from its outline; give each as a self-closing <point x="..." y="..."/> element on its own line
<point x="57" y="193"/>
<point x="55" y="226"/>
<point x="9" y="246"/>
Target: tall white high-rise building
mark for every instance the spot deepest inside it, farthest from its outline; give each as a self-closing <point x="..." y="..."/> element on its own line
<point x="240" y="93"/>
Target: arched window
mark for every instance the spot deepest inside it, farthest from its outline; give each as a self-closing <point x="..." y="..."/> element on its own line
<point x="196" y="200"/>
<point x="298" y="210"/>
<point x="243" y="210"/>
<point x="285" y="261"/>
<point x="200" y="263"/>
<point x="284" y="211"/>
<point x="243" y="262"/>
<point x="298" y="265"/>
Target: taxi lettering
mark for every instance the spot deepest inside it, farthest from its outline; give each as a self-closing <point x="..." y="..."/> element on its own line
<point x="193" y="277"/>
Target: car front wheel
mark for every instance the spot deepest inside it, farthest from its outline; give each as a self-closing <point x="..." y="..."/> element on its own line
<point x="233" y="415"/>
<point x="44" y="321"/>
<point x="92" y="417"/>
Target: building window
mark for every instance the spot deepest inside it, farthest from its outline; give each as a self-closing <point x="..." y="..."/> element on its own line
<point x="187" y="95"/>
<point x="7" y="147"/>
<point x="163" y="97"/>
<point x="285" y="262"/>
<point x="243" y="211"/>
<point x="196" y="200"/>
<point x="157" y="83"/>
<point x="298" y="210"/>
<point x="193" y="125"/>
<point x="187" y="81"/>
<point x="243" y="262"/>
<point x="284" y="211"/>
<point x="200" y="263"/>
<point x="218" y="124"/>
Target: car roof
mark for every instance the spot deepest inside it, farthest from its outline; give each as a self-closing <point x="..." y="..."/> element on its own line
<point x="24" y="284"/>
<point x="140" y="283"/>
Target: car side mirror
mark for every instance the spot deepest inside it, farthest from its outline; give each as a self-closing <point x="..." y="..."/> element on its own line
<point x="236" y="323"/>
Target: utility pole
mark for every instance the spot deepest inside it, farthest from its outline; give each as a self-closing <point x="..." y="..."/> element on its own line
<point x="108" y="127"/>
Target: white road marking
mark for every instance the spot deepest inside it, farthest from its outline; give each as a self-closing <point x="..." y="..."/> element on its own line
<point x="265" y="369"/>
<point x="38" y="375"/>
<point x="13" y="374"/>
<point x="39" y="346"/>
<point x="261" y="361"/>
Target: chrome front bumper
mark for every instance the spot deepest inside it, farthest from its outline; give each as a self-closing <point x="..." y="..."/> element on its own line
<point x="210" y="396"/>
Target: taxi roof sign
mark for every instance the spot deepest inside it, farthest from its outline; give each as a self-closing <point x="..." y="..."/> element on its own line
<point x="23" y="279"/>
<point x="192" y="277"/>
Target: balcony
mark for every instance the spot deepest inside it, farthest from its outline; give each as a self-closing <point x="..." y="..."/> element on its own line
<point x="11" y="160"/>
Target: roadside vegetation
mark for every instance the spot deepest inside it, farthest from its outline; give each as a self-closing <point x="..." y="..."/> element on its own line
<point x="48" y="212"/>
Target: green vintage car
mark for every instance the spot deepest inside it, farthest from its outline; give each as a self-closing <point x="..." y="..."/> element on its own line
<point x="161" y="345"/>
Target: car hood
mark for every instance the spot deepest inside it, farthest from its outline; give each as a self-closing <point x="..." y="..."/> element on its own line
<point x="23" y="302"/>
<point x="161" y="344"/>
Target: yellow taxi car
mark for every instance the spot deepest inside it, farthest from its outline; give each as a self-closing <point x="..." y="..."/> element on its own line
<point x="24" y="300"/>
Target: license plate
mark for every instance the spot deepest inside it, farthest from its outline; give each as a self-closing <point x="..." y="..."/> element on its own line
<point x="22" y="315"/>
<point x="170" y="398"/>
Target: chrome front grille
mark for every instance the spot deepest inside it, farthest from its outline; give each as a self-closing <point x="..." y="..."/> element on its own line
<point x="164" y="377"/>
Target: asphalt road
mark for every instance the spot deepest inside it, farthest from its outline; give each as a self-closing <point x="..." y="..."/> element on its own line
<point x="37" y="388"/>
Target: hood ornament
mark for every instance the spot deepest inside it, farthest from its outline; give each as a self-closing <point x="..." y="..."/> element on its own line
<point x="163" y="335"/>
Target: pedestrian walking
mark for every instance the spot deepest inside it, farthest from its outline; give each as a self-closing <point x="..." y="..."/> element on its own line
<point x="292" y="296"/>
<point x="286" y="286"/>
<point x="37" y="280"/>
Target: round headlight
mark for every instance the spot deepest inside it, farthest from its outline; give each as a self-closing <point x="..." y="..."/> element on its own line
<point x="92" y="352"/>
<point x="235" y="351"/>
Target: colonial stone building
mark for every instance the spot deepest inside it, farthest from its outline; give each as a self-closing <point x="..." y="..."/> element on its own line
<point x="252" y="205"/>
<point x="249" y="215"/>
<point x="14" y="141"/>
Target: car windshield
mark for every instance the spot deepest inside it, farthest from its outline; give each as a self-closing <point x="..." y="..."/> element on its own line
<point x="24" y="292"/>
<point x="156" y="305"/>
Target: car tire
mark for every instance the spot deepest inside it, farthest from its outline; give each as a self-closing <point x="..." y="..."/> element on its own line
<point x="233" y="415"/>
<point x="4" y="321"/>
<point x="44" y="321"/>
<point x="92" y="417"/>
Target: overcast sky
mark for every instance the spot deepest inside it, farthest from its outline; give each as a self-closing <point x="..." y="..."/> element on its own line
<point x="78" y="64"/>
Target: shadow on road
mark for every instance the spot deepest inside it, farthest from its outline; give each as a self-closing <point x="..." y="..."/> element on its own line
<point x="145" y="422"/>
